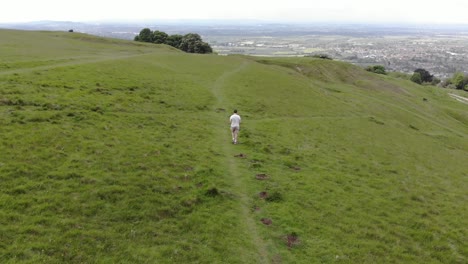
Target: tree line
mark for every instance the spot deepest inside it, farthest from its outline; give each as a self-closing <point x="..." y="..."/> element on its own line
<point x="421" y="76"/>
<point x="191" y="42"/>
<point x="458" y="81"/>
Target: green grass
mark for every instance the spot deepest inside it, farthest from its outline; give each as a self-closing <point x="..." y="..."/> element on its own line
<point x="119" y="152"/>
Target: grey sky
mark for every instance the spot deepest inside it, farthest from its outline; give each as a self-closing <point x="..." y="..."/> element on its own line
<point x="415" y="11"/>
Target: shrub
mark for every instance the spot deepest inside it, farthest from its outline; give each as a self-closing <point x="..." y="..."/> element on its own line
<point x="322" y="56"/>
<point x="379" y="69"/>
<point x="425" y="75"/>
<point x="416" y="78"/>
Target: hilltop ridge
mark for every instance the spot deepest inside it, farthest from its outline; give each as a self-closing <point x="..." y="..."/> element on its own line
<point x="119" y="151"/>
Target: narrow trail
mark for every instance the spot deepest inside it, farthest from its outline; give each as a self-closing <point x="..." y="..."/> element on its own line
<point x="459" y="98"/>
<point x="235" y="176"/>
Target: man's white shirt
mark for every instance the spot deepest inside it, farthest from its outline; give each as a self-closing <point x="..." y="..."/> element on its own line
<point x="235" y="120"/>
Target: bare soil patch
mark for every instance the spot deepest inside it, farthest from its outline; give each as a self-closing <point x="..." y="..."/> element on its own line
<point x="266" y="221"/>
<point x="292" y="240"/>
<point x="261" y="176"/>
<point x="263" y="195"/>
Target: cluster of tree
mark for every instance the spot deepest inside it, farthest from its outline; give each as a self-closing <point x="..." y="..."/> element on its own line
<point x="379" y="69"/>
<point x="191" y="42"/>
<point x="458" y="81"/>
<point x="421" y="76"/>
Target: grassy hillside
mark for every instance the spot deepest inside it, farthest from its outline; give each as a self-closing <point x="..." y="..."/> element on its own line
<point x="119" y="152"/>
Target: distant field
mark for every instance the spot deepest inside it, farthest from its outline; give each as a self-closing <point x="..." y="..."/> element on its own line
<point x="311" y="50"/>
<point x="119" y="152"/>
<point x="442" y="55"/>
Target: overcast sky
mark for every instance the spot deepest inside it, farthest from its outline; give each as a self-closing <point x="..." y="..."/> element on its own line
<point x="414" y="11"/>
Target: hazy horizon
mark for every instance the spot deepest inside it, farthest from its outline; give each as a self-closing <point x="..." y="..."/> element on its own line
<point x="297" y="11"/>
<point x="246" y="22"/>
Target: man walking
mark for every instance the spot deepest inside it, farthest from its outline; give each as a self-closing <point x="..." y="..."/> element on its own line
<point x="235" y="126"/>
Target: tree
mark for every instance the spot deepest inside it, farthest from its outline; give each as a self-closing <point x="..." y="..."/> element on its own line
<point x="379" y="69"/>
<point x="189" y="41"/>
<point x="458" y="80"/>
<point x="159" y="37"/>
<point x="425" y="75"/>
<point x="146" y="35"/>
<point x="416" y="78"/>
<point x="193" y="43"/>
<point x="206" y="48"/>
<point x="465" y="83"/>
<point x="174" y="40"/>
<point x="202" y="47"/>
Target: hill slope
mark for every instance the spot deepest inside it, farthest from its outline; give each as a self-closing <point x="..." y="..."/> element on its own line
<point x="116" y="151"/>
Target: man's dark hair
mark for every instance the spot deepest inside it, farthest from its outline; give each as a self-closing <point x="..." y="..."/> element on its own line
<point x="235" y="110"/>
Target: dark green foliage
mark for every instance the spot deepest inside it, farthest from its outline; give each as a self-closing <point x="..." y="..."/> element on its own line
<point x="425" y="75"/>
<point x="416" y="78"/>
<point x="159" y="37"/>
<point x="322" y="56"/>
<point x="421" y="76"/>
<point x="379" y="69"/>
<point x="459" y="80"/>
<point x="146" y="35"/>
<point x="212" y="192"/>
<point x="188" y="41"/>
<point x="191" y="42"/>
<point x="275" y="197"/>
<point x="174" y="40"/>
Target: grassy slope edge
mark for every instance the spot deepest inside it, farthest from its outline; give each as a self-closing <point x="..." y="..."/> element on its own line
<point x="116" y="151"/>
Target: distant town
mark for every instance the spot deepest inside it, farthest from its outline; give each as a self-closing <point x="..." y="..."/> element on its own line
<point x="442" y="50"/>
<point x="440" y="55"/>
